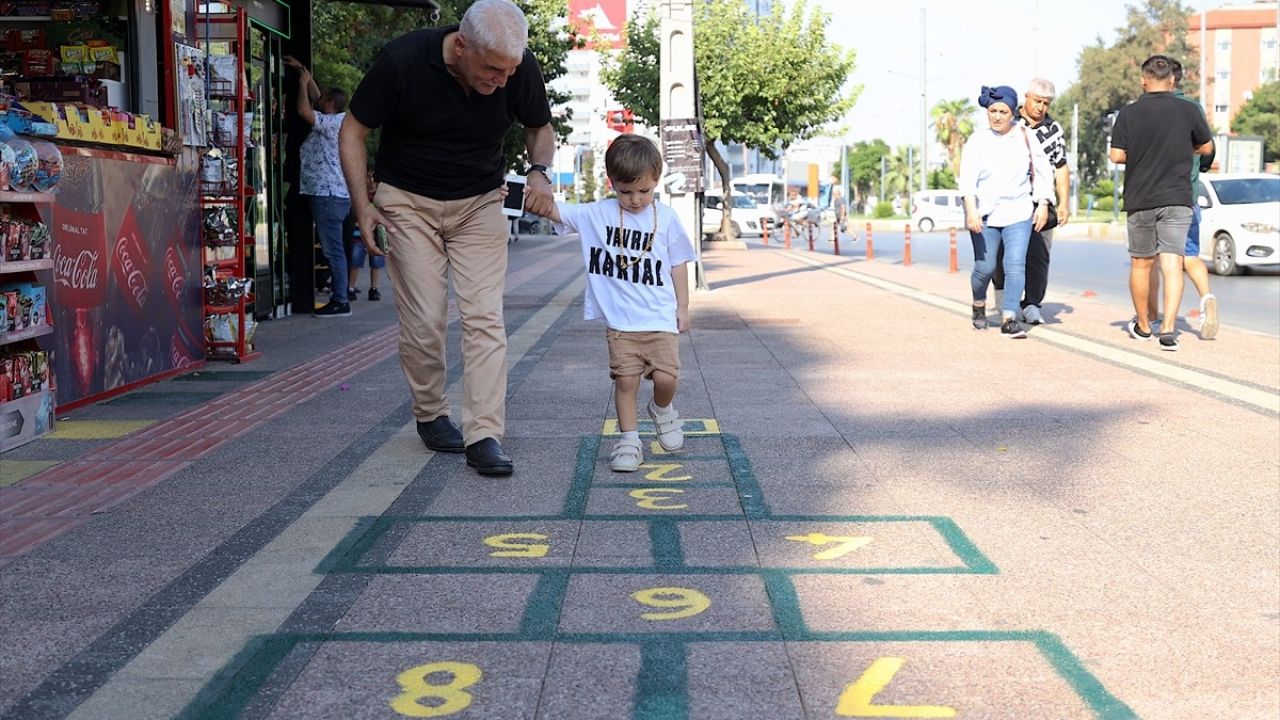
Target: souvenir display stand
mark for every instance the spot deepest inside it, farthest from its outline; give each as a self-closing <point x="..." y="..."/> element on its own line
<point x="27" y="396"/>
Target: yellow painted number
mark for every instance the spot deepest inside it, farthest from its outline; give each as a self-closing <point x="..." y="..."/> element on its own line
<point x="658" y="472"/>
<point x="655" y="448"/>
<point x="424" y="699"/>
<point x="678" y="603"/>
<point x="521" y="545"/>
<point x="846" y="544"/>
<point x="648" y="498"/>
<point x="856" y="699"/>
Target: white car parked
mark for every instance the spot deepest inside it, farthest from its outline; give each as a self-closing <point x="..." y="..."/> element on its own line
<point x="1240" y="221"/>
<point x="747" y="217"/>
<point x="937" y="209"/>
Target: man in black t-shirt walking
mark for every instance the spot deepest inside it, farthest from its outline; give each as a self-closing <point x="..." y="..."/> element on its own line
<point x="1151" y="137"/>
<point x="445" y="99"/>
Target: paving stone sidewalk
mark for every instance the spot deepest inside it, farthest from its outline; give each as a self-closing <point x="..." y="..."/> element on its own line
<point x="879" y="512"/>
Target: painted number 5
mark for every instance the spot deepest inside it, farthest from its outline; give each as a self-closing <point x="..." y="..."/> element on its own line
<point x="424" y="699"/>
<point x="534" y="545"/>
<point x="678" y="602"/>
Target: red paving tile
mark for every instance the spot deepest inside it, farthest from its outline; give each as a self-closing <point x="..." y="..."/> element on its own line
<point x="18" y="535"/>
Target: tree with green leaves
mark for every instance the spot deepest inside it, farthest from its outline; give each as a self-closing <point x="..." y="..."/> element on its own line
<point x="1110" y="76"/>
<point x="764" y="82"/>
<point x="1261" y="116"/>
<point x="350" y="35"/>
<point x="864" y="170"/>
<point x="952" y="125"/>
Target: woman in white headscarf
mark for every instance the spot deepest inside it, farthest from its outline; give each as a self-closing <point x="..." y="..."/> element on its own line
<point x="1007" y="186"/>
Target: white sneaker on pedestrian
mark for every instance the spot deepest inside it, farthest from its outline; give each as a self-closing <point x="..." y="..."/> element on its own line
<point x="1031" y="315"/>
<point x="669" y="427"/>
<point x="1209" y="317"/>
<point x="626" y="456"/>
<point x="999" y="301"/>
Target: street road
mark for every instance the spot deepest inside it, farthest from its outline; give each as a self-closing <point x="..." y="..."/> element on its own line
<point x="1250" y="301"/>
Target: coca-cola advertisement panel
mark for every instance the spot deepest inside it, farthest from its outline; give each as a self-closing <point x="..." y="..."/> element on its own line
<point x="127" y="272"/>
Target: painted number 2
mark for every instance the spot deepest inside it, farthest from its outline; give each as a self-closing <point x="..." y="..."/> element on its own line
<point x="677" y="602"/>
<point x="424" y="699"/>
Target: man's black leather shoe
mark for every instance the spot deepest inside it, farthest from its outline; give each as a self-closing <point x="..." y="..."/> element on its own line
<point x="487" y="458"/>
<point x="441" y="435"/>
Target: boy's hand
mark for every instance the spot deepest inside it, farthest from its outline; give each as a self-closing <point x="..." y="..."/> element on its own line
<point x="682" y="319"/>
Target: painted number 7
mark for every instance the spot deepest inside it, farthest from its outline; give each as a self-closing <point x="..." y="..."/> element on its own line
<point x="845" y="544"/>
<point x="678" y="602"/>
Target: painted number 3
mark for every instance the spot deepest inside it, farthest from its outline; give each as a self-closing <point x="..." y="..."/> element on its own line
<point x="425" y="699"/>
<point x="677" y="602"/>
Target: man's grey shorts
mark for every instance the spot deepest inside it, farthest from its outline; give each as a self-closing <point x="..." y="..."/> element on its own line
<point x="1159" y="230"/>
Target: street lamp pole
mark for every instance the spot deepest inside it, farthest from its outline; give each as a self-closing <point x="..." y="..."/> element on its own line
<point x="924" y="108"/>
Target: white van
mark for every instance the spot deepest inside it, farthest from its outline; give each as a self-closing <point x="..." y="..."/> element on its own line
<point x="937" y="209"/>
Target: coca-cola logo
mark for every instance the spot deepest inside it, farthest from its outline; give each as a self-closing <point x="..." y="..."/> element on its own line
<point x="134" y="279"/>
<point x="173" y="272"/>
<point x="78" y="272"/>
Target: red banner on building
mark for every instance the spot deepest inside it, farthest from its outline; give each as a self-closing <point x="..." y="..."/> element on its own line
<point x="603" y="19"/>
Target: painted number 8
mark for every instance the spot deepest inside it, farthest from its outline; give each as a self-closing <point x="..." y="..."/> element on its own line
<point x="442" y="699"/>
<point x="680" y="602"/>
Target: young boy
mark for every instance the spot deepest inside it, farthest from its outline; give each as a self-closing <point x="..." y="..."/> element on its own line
<point x="635" y="251"/>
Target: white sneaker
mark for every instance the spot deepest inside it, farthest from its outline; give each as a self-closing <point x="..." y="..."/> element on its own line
<point x="999" y="300"/>
<point x="669" y="427"/>
<point x="626" y="456"/>
<point x="1209" y="317"/>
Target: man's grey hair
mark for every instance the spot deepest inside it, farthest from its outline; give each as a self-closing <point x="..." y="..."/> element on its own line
<point x="1042" y="87"/>
<point x="496" y="25"/>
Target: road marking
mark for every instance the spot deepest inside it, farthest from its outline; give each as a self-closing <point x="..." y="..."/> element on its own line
<point x="268" y="587"/>
<point x="97" y="429"/>
<point x="1254" y="397"/>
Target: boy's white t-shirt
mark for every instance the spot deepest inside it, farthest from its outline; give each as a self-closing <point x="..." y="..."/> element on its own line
<point x="642" y="297"/>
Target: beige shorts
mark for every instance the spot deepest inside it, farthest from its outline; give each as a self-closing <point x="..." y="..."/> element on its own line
<point x="640" y="353"/>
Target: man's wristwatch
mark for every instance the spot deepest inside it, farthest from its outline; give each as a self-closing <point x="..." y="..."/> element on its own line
<point x="540" y="169"/>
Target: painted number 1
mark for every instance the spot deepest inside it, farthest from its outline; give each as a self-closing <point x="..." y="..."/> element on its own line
<point x="677" y="602"/>
<point x="424" y="699"/>
<point x="856" y="699"/>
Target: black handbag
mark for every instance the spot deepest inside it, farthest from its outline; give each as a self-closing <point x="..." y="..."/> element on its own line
<point x="1052" y="222"/>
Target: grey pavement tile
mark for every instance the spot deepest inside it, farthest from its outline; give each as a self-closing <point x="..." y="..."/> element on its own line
<point x="590" y="681"/>
<point x="441" y="604"/>
<point x="526" y="544"/>
<point x="356" y="680"/>
<point x="1006" y="680"/>
<point x="790" y="422"/>
<point x="147" y="699"/>
<point x="717" y="543"/>
<point x="731" y="681"/>
<point x="265" y="584"/>
<point x="849" y="603"/>
<point x="677" y="604"/>
<point x="198" y="645"/>
<point x="613" y="543"/>
<point x="664" y="500"/>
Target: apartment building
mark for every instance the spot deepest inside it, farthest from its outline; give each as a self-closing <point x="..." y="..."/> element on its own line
<point x="1242" y="53"/>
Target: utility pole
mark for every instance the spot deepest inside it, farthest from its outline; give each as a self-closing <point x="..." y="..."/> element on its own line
<point x="680" y="126"/>
<point x="924" y="109"/>
<point x="881" y="198"/>
<point x="1074" y="165"/>
<point x="1204" y="57"/>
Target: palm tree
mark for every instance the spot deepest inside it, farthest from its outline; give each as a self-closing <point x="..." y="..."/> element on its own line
<point x="953" y="124"/>
<point x="898" y="174"/>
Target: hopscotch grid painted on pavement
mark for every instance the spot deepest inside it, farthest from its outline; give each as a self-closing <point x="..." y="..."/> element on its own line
<point x="661" y="689"/>
<point x="1243" y="394"/>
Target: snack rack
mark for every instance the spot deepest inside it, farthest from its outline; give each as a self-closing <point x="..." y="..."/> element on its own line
<point x="229" y="321"/>
<point x="26" y="406"/>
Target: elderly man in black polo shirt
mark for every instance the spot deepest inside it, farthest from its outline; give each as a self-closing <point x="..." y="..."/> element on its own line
<point x="445" y="98"/>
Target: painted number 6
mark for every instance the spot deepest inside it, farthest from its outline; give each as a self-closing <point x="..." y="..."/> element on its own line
<point x="678" y="602"/>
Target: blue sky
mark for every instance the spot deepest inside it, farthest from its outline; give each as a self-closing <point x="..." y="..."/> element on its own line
<point x="970" y="44"/>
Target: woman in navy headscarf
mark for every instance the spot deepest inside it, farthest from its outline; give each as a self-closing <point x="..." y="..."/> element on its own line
<point x="1007" y="184"/>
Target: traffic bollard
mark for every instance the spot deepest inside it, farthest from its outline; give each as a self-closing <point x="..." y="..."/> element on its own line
<point x="906" y="247"/>
<point x="764" y="231"/>
<point x="835" y="238"/>
<point x="955" y="261"/>
<point x="786" y="235"/>
<point x="871" y="251"/>
<point x="812" y="231"/>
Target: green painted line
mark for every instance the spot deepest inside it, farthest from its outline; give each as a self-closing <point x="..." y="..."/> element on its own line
<point x="664" y="536"/>
<point x="661" y="565"/>
<point x="1088" y="687"/>
<point x="749" y="492"/>
<point x="227" y="695"/>
<point x="963" y="547"/>
<point x="662" y="688"/>
<point x="347" y="553"/>
<point x="575" y="504"/>
<point x="542" y="613"/>
<point x="665" y="484"/>
<point x="785" y="604"/>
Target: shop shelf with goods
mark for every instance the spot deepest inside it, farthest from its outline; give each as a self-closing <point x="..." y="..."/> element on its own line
<point x="27" y="393"/>
<point x="226" y="190"/>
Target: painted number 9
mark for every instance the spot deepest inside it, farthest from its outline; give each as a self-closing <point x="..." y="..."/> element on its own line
<point x="678" y="602"/>
<point x="424" y="699"/>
